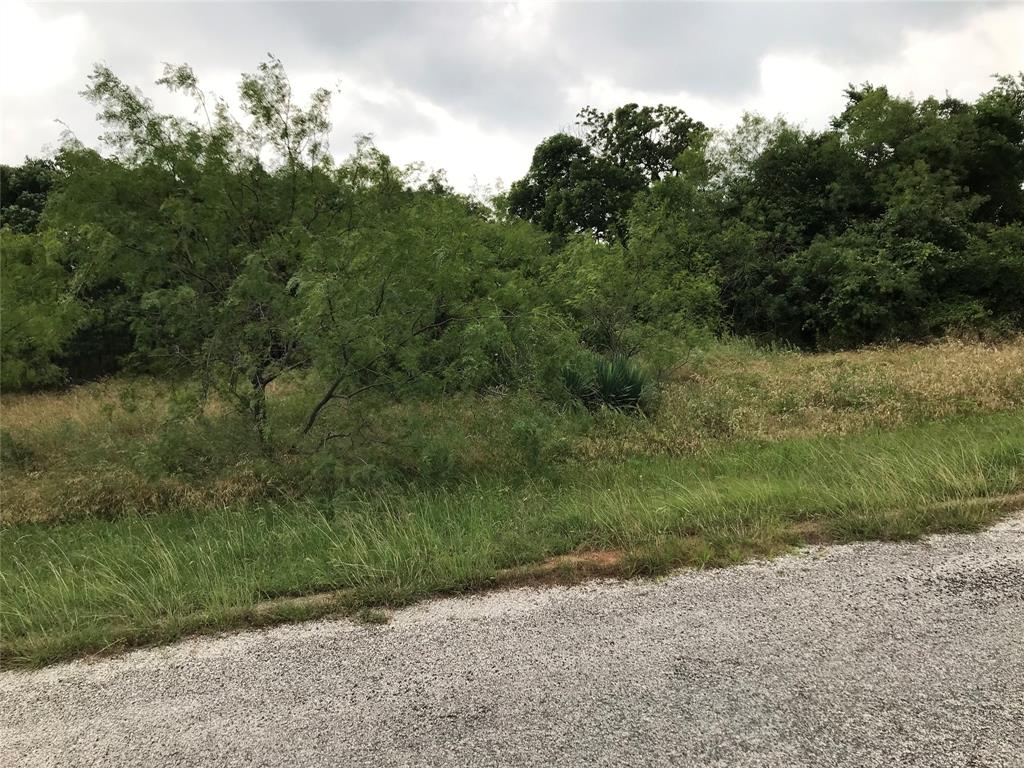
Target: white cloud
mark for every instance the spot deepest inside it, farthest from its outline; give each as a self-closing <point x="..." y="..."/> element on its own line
<point x="469" y="153"/>
<point x="519" y="49"/>
<point x="39" y="53"/>
<point x="808" y="91"/>
<point x="959" y="61"/>
<point x="39" y="58"/>
<point x="522" y="25"/>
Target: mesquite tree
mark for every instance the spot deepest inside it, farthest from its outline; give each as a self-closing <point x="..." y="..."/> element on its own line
<point x="239" y="251"/>
<point x="198" y="227"/>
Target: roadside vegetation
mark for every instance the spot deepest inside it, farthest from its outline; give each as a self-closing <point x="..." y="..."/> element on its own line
<point x="118" y="447"/>
<point x="117" y="535"/>
<point x="244" y="383"/>
<point x="95" y="585"/>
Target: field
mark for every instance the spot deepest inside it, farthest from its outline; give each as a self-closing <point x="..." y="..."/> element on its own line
<point x="123" y="525"/>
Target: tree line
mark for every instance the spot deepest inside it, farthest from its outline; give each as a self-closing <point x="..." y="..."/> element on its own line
<point x="232" y="250"/>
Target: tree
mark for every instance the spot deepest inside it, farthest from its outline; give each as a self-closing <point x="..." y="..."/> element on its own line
<point x="991" y="276"/>
<point x="661" y="282"/>
<point x="643" y="141"/>
<point x="995" y="165"/>
<point x="674" y="241"/>
<point x="39" y="314"/>
<point x="23" y="193"/>
<point x="897" y="192"/>
<point x="587" y="185"/>
<point x="856" y="288"/>
<point x="417" y="296"/>
<point x="195" y="230"/>
<point x="568" y="190"/>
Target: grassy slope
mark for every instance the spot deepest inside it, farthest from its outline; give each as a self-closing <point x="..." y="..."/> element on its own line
<point x="91" y="585"/>
<point x="99" y="450"/>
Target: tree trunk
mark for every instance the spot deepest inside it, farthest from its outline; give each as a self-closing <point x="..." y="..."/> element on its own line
<point x="258" y="406"/>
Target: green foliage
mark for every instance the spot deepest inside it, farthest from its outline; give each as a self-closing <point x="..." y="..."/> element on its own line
<point x="399" y="356"/>
<point x="624" y="300"/>
<point x="618" y="383"/>
<point x="889" y="225"/>
<point x="671" y="252"/>
<point x="528" y="435"/>
<point x="588" y="185"/>
<point x="193" y="445"/>
<point x="241" y="253"/>
<point x="23" y="193"/>
<point x="569" y="190"/>
<point x="990" y="277"/>
<point x="856" y="288"/>
<point x="614" y="383"/>
<point x="39" y="313"/>
<point x="644" y="141"/>
<point x="418" y="298"/>
<point x="195" y="231"/>
<point x="232" y="250"/>
<point x="93" y="585"/>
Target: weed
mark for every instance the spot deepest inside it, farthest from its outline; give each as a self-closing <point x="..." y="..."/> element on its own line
<point x="89" y="584"/>
<point x="372" y="616"/>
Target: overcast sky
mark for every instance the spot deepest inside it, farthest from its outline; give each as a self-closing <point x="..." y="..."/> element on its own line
<point x="472" y="88"/>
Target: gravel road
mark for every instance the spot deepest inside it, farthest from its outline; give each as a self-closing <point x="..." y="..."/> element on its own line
<point x="860" y="655"/>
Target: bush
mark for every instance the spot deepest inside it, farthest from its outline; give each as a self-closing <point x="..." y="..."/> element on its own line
<point x="197" y="443"/>
<point x="614" y="383"/>
<point x="538" y="439"/>
<point x="13" y="452"/>
<point x="39" y="314"/>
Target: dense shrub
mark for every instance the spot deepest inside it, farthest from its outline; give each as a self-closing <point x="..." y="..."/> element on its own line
<point x="901" y="221"/>
<point x="39" y="315"/>
<point x="611" y="382"/>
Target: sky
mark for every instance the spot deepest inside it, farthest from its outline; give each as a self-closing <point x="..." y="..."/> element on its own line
<point x="473" y="87"/>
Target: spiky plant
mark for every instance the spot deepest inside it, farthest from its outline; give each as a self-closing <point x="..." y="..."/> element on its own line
<point x="614" y="383"/>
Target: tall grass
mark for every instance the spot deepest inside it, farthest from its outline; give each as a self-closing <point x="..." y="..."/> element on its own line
<point x="89" y="585"/>
<point x="106" y="449"/>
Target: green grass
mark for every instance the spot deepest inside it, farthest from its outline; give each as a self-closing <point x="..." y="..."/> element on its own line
<point x="91" y="585"/>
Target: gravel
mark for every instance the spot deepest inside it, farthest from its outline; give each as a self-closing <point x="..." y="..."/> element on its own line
<point x="860" y="655"/>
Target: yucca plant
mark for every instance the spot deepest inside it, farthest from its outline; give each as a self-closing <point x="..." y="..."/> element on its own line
<point x="578" y="378"/>
<point x="619" y="383"/>
<point x="614" y="383"/>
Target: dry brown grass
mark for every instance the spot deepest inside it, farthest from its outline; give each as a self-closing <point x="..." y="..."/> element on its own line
<point x="81" y="452"/>
<point x="85" y="406"/>
<point x="738" y="392"/>
<point x="112" y="491"/>
<point x="89" y="450"/>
